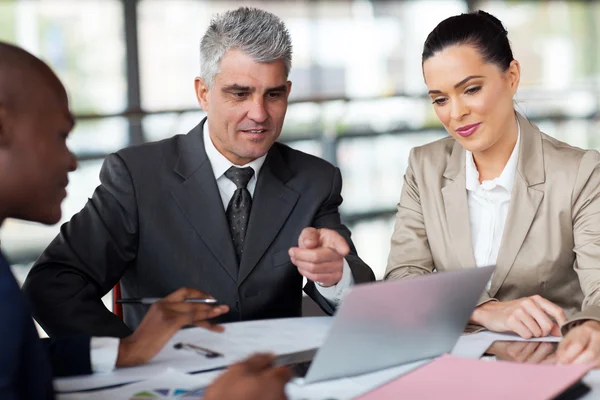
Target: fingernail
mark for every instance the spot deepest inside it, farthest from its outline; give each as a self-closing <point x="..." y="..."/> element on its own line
<point x="291" y="253"/>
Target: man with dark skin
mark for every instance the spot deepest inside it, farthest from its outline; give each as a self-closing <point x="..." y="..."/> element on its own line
<point x="34" y="164"/>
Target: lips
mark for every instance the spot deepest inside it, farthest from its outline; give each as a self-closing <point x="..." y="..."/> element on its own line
<point x="254" y="130"/>
<point x="63" y="185"/>
<point x="468" y="130"/>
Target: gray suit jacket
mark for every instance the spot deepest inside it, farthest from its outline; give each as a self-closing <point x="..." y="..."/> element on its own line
<point x="551" y="240"/>
<point x="157" y="223"/>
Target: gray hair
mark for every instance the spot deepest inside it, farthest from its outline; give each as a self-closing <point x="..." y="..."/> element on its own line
<point x="257" y="33"/>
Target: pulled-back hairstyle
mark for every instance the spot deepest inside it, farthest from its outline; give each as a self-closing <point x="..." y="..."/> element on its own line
<point x="479" y="29"/>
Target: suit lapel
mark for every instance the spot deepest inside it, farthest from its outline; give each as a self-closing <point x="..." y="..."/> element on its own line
<point x="199" y="199"/>
<point x="272" y="203"/>
<point x="457" y="207"/>
<point x="524" y="203"/>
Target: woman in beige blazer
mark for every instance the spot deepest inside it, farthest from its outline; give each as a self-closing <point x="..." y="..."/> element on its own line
<point x="500" y="192"/>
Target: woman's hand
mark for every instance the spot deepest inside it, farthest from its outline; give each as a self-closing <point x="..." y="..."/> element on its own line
<point x="581" y="345"/>
<point x="527" y="317"/>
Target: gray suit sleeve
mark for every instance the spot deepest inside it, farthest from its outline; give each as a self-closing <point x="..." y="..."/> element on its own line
<point x="329" y="217"/>
<point x="86" y="259"/>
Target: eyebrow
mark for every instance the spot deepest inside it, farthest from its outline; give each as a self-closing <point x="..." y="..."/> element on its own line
<point x="459" y="84"/>
<point x="240" y="88"/>
<point x="280" y="88"/>
<point x="236" y="87"/>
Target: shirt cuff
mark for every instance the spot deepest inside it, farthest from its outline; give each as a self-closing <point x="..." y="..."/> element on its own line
<point x="334" y="294"/>
<point x="103" y="353"/>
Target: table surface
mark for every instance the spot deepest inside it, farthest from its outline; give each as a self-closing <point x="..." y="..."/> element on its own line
<point x="470" y="346"/>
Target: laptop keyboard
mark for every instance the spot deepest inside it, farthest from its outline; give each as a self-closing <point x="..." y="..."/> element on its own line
<point x="300" y="369"/>
<point x="299" y="361"/>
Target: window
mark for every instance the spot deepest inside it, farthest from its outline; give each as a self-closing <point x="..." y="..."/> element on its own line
<point x="71" y="36"/>
<point x="358" y="97"/>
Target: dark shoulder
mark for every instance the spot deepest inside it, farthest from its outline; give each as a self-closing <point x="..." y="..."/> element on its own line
<point x="148" y="152"/>
<point x="301" y="162"/>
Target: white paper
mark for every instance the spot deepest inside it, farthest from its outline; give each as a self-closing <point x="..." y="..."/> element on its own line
<point x="169" y="384"/>
<point x="240" y="340"/>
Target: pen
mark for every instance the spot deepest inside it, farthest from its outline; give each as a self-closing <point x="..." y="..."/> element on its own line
<point x="207" y="352"/>
<point x="152" y="300"/>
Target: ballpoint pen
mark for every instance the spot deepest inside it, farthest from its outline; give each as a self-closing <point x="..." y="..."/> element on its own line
<point x="152" y="300"/>
<point x="189" y="346"/>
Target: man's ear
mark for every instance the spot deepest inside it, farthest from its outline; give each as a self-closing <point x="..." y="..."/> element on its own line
<point x="5" y="132"/>
<point x="202" y="90"/>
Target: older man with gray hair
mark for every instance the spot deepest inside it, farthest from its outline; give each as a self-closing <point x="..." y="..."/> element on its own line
<point x="224" y="209"/>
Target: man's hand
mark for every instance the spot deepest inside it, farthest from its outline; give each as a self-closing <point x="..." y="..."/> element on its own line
<point x="528" y="317"/>
<point x="162" y="321"/>
<point x="320" y="255"/>
<point x="252" y="379"/>
<point x="581" y="345"/>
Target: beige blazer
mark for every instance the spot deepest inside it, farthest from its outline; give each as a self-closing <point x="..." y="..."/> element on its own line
<point x="551" y="240"/>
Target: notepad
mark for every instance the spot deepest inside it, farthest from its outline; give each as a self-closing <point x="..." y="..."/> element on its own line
<point x="450" y="377"/>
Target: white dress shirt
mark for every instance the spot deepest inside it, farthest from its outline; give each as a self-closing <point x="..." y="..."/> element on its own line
<point x="220" y="164"/>
<point x="488" y="206"/>
<point x="103" y="353"/>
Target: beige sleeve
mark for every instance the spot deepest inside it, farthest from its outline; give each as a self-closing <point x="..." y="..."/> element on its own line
<point x="409" y="252"/>
<point x="586" y="234"/>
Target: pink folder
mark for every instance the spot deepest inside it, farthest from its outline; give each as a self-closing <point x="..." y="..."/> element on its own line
<point x="450" y="377"/>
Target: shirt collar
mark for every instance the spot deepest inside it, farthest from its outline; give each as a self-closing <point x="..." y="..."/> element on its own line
<point x="506" y="178"/>
<point x="219" y="163"/>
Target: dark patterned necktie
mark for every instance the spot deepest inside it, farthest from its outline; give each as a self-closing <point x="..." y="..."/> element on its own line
<point x="238" y="210"/>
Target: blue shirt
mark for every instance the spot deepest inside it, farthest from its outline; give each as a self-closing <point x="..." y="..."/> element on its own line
<point x="25" y="371"/>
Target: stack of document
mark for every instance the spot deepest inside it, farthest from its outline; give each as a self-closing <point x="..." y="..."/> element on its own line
<point x="450" y="377"/>
<point x="171" y="384"/>
<point x="239" y="341"/>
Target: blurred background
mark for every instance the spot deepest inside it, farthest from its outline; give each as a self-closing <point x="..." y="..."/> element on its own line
<point x="358" y="97"/>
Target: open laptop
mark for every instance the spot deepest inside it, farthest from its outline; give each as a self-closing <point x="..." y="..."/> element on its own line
<point x="385" y="324"/>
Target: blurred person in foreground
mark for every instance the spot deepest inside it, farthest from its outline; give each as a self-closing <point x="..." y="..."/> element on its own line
<point x="34" y="163"/>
